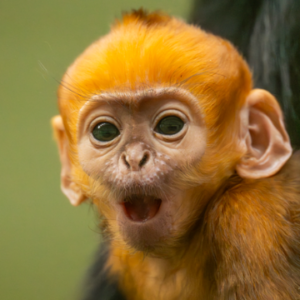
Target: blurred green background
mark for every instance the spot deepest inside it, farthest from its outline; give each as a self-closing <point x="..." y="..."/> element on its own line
<point x="46" y="244"/>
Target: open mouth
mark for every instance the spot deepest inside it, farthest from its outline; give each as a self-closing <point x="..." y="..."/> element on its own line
<point x="141" y="208"/>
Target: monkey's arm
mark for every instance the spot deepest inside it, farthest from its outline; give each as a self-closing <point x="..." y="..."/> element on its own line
<point x="98" y="284"/>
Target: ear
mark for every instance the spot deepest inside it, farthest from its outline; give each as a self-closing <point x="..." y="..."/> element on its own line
<point x="264" y="137"/>
<point x="68" y="186"/>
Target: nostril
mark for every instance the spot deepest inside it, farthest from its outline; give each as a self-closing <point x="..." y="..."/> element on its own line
<point x="134" y="160"/>
<point x="126" y="162"/>
<point x="144" y="160"/>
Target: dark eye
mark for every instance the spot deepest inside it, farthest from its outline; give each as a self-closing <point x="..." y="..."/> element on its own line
<point x="105" y="132"/>
<point x="169" y="125"/>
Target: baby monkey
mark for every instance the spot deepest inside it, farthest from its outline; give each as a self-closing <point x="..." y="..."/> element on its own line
<point x="190" y="168"/>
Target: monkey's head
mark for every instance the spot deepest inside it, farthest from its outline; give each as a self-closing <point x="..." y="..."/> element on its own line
<point x="154" y="119"/>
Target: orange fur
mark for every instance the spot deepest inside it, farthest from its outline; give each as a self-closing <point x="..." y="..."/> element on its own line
<point x="241" y="241"/>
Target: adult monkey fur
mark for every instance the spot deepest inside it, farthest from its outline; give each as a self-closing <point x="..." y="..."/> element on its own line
<point x="267" y="33"/>
<point x="190" y="168"/>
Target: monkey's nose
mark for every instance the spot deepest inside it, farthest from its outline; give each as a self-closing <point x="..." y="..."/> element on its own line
<point x="135" y="157"/>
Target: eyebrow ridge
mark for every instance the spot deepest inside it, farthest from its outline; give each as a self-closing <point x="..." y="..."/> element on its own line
<point x="134" y="97"/>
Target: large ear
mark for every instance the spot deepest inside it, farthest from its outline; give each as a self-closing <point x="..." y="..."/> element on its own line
<point x="68" y="186"/>
<point x="264" y="136"/>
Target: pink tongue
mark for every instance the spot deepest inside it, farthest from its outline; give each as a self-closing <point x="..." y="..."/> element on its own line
<point x="141" y="208"/>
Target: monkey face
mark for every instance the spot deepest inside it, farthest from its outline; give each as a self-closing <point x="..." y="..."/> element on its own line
<point x="137" y="146"/>
<point x="142" y="129"/>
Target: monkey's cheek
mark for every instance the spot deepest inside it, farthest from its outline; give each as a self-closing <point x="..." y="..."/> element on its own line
<point x="148" y="235"/>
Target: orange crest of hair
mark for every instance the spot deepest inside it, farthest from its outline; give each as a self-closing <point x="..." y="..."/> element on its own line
<point x="142" y="16"/>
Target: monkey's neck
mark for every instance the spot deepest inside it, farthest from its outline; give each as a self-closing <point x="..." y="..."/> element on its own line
<point x="247" y="247"/>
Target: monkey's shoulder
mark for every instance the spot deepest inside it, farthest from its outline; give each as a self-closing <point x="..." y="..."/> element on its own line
<point x="293" y="165"/>
<point x="99" y="284"/>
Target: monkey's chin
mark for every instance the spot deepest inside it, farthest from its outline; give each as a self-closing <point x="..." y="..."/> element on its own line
<point x="144" y="221"/>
